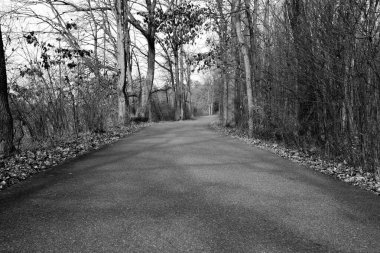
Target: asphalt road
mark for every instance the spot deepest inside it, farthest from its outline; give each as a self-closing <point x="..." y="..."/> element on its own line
<point x="180" y="187"/>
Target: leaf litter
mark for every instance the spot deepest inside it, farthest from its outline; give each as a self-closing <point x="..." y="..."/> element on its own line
<point x="25" y="163"/>
<point x="340" y="170"/>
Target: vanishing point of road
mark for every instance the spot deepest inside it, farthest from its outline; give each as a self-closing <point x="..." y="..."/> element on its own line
<point x="180" y="187"/>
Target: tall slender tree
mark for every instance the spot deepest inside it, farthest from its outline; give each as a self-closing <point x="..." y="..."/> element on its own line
<point x="245" y="49"/>
<point x="222" y="25"/>
<point x="6" y="123"/>
<point x="123" y="57"/>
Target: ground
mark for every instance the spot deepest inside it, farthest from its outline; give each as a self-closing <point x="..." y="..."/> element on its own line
<point x="181" y="187"/>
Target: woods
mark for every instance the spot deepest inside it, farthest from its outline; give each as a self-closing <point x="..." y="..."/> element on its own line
<point x="91" y="66"/>
<point x="308" y="74"/>
<point x="304" y="73"/>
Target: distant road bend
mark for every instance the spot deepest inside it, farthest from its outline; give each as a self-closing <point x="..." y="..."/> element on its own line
<point x="180" y="187"/>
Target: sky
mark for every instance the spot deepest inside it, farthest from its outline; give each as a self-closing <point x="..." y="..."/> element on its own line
<point x="160" y="74"/>
<point x="4" y="4"/>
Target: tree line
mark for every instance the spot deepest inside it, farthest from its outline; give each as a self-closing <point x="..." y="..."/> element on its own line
<point x="302" y="72"/>
<point x="87" y="65"/>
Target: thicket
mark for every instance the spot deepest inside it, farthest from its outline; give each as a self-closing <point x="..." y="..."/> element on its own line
<point x="313" y="71"/>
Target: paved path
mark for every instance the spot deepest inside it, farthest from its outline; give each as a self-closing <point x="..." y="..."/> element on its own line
<point x="180" y="187"/>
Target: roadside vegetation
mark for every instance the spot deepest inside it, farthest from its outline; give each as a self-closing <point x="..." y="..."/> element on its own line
<point x="303" y="74"/>
<point x="45" y="155"/>
<point x="75" y="75"/>
<point x="338" y="169"/>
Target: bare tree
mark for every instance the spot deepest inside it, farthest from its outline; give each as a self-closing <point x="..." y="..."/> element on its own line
<point x="245" y="49"/>
<point x="6" y="123"/>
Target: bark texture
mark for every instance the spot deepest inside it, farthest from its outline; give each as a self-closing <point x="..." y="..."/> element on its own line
<point x="247" y="66"/>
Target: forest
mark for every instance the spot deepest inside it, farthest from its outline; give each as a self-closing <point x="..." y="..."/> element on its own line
<point x="301" y="72"/>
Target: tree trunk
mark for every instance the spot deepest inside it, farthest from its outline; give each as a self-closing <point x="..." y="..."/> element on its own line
<point x="128" y="55"/>
<point x="348" y="99"/>
<point x="188" y="83"/>
<point x="235" y="54"/>
<point x="224" y="65"/>
<point x="178" y="90"/>
<point x="247" y="66"/>
<point x="121" y="60"/>
<point x="225" y="97"/>
<point x="145" y="108"/>
<point x="6" y="122"/>
<point x="252" y="20"/>
<point x="181" y="82"/>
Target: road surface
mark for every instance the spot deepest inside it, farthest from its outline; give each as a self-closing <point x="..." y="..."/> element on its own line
<point x="180" y="187"/>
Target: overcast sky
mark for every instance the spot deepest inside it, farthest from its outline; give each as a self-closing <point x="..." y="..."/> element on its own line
<point x="4" y="4"/>
<point x="160" y="74"/>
